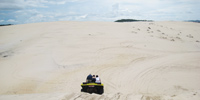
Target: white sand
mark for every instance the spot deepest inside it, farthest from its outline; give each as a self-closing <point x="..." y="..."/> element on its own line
<point x="135" y="61"/>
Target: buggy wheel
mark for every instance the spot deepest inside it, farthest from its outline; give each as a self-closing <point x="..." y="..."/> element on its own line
<point x="100" y="91"/>
<point x="84" y="89"/>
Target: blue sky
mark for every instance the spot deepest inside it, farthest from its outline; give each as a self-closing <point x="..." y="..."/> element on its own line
<point x="33" y="11"/>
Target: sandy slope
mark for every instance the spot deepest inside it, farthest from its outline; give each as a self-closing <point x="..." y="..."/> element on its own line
<point x="136" y="61"/>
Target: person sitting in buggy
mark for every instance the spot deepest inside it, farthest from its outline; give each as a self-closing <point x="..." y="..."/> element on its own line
<point x="93" y="79"/>
<point x="98" y="80"/>
<point x="89" y="78"/>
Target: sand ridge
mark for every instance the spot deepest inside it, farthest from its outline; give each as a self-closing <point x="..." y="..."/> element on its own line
<point x="135" y="61"/>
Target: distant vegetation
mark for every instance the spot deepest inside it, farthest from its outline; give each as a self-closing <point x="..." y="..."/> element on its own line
<point x="197" y="21"/>
<point x="5" y="24"/>
<point x="132" y="20"/>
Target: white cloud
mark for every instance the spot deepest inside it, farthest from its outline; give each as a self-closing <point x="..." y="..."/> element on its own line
<point x="83" y="16"/>
<point x="115" y="8"/>
<point x="11" y="4"/>
<point x="20" y="4"/>
<point x="31" y="11"/>
<point x="57" y="2"/>
<point x="11" y="21"/>
<point x="35" y="3"/>
<point x="37" y="18"/>
<point x="1" y="21"/>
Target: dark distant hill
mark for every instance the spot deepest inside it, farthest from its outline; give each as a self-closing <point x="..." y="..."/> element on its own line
<point x="132" y="20"/>
<point x="197" y="21"/>
<point x="5" y="24"/>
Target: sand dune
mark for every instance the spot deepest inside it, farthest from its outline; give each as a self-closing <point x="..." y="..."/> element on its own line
<point x="135" y="61"/>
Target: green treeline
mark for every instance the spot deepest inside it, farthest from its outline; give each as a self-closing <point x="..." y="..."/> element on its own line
<point x="132" y="20"/>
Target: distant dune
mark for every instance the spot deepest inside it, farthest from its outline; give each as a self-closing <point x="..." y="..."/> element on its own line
<point x="135" y="61"/>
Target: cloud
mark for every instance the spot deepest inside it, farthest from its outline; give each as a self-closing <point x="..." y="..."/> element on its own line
<point x="1" y="21"/>
<point x="53" y="2"/>
<point x="83" y="16"/>
<point x="11" y="21"/>
<point x="11" y="4"/>
<point x="20" y="4"/>
<point x="35" y="3"/>
<point x="31" y="11"/>
<point x="36" y="18"/>
<point x="56" y="2"/>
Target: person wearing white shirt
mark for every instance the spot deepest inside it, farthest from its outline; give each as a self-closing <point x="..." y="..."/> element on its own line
<point x="98" y="80"/>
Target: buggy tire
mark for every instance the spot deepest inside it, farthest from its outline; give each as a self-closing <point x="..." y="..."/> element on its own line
<point x="100" y="91"/>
